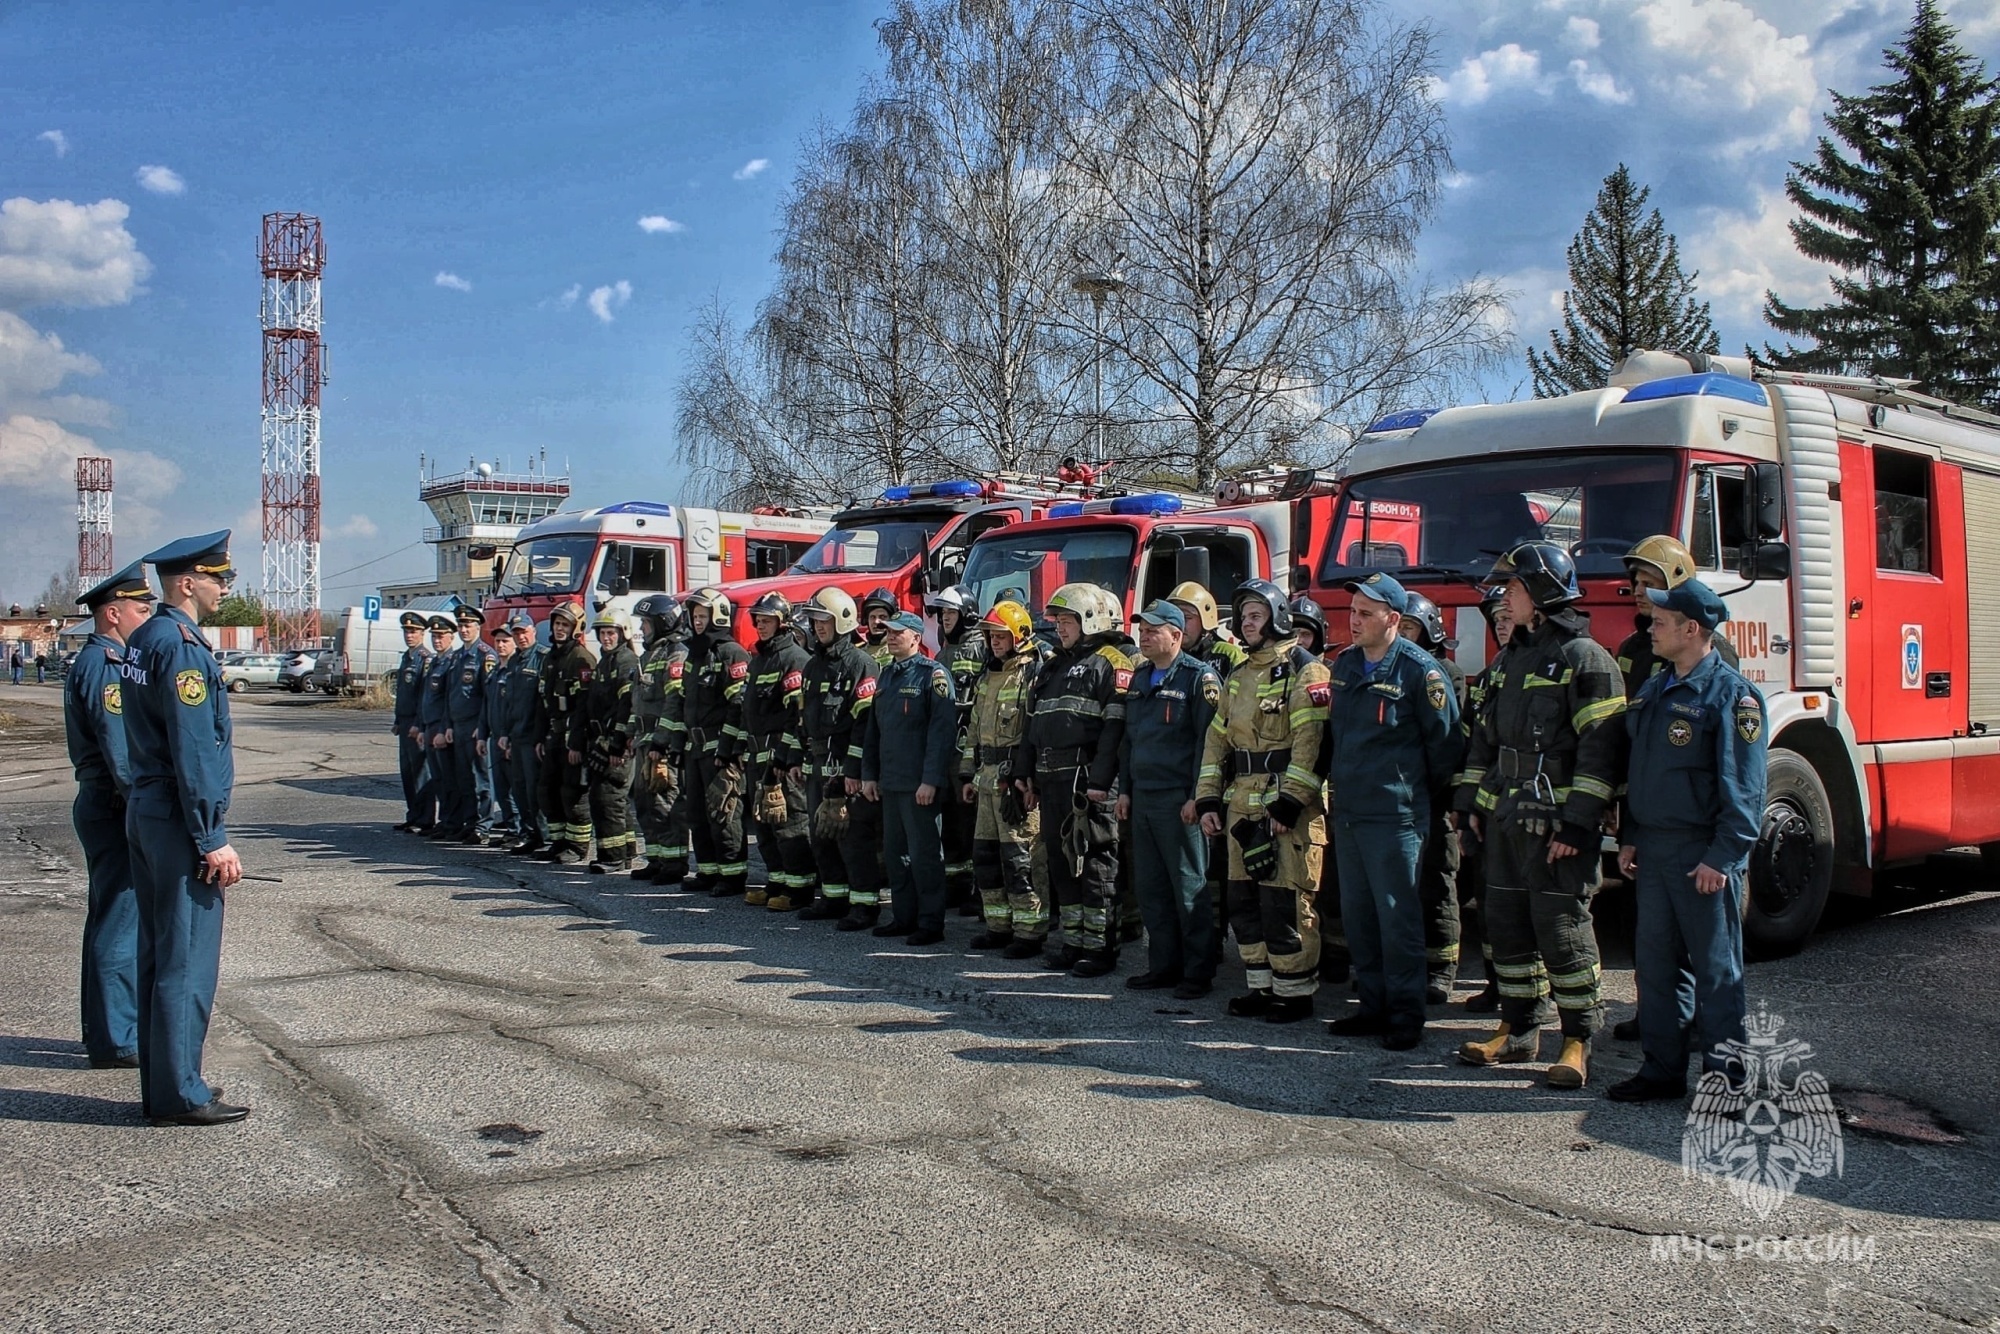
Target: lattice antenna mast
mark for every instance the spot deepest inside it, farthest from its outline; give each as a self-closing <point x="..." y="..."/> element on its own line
<point x="93" y="521"/>
<point x="292" y="255"/>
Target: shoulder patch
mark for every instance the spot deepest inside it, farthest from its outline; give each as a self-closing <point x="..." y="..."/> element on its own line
<point x="676" y="669"/>
<point x="794" y="680"/>
<point x="1749" y="717"/>
<point x="1211" y="688"/>
<point x="1320" y="692"/>
<point x="865" y="688"/>
<point x="191" y="686"/>
<point x="188" y="636"/>
<point x="114" y="699"/>
<point x="941" y="684"/>
<point x="738" y="669"/>
<point x="1435" y="689"/>
<point x="1122" y="678"/>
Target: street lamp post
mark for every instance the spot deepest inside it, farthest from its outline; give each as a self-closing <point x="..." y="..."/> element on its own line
<point x="1099" y="286"/>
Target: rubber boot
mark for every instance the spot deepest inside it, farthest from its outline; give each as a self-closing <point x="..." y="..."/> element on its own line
<point x="1572" y="1067"/>
<point x="1023" y="948"/>
<point x="1288" y="1009"/>
<point x="1255" y="1003"/>
<point x="567" y="854"/>
<point x="1503" y="1048"/>
<point x="824" y="909"/>
<point x="990" y="939"/>
<point x="859" y="917"/>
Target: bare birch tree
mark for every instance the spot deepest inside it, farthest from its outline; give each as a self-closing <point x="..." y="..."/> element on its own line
<point x="1265" y="166"/>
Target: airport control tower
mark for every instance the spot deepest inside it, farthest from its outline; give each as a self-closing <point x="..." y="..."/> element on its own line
<point x="479" y="512"/>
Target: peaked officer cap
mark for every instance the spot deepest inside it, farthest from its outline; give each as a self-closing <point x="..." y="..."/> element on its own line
<point x="128" y="585"/>
<point x="206" y="554"/>
<point x="412" y="620"/>
<point x="443" y="622"/>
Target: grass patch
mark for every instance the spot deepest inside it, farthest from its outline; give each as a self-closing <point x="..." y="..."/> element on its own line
<point x="379" y="694"/>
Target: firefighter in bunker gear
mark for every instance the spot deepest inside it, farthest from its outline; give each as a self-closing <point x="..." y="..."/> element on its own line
<point x="565" y="797"/>
<point x="1542" y="765"/>
<point x="839" y="686"/>
<point x="718" y="669"/>
<point x="1438" y="879"/>
<point x="772" y="706"/>
<point x="1004" y="829"/>
<point x="1263" y="783"/>
<point x="962" y="650"/>
<point x="1076" y="717"/>
<point x="657" y="701"/>
<point x="601" y="739"/>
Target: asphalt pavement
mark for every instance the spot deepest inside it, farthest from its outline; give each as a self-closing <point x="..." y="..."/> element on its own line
<point x="492" y="1095"/>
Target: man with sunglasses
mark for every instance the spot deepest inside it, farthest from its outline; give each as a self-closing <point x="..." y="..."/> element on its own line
<point x="178" y="741"/>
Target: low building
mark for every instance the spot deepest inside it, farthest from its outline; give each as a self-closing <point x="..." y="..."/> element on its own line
<point x="479" y="513"/>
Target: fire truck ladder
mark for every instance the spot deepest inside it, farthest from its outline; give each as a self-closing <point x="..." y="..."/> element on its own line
<point x="1875" y="389"/>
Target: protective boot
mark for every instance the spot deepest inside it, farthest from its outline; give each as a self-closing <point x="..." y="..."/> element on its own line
<point x="1252" y="1005"/>
<point x="1288" y="1009"/>
<point x="991" y="940"/>
<point x="1572" y="1067"/>
<point x="1486" y="1001"/>
<point x="1023" y="948"/>
<point x="859" y="917"/>
<point x="824" y="909"/>
<point x="776" y="902"/>
<point x="1063" y="959"/>
<point x="602" y="865"/>
<point x="758" y="897"/>
<point x="567" y="854"/>
<point x="1505" y="1047"/>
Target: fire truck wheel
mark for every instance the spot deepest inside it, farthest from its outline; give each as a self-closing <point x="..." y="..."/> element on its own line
<point x="1791" y="868"/>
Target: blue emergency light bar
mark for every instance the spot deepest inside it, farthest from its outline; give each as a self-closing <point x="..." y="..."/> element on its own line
<point x="1709" y="384"/>
<point x="934" y="491"/>
<point x="653" y="507"/>
<point x="1152" y="502"/>
<point x="1409" y="419"/>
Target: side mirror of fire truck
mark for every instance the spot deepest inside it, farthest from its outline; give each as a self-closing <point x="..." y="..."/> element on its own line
<point x="920" y="581"/>
<point x="1191" y="565"/>
<point x="1762" y="521"/>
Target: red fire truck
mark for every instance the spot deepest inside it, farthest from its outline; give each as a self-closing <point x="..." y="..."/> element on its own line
<point x="912" y="540"/>
<point x="1852" y="526"/>
<point x="615" y="555"/>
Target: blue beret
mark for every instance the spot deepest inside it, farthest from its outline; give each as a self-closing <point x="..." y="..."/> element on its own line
<point x="206" y="554"/>
<point x="128" y="585"/>
<point x="1694" y="600"/>
<point x="1383" y="589"/>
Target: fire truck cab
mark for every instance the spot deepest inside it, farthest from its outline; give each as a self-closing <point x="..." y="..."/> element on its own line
<point x="1851" y="525"/>
<point x="914" y="539"/>
<point x="1137" y="546"/>
<point x="615" y="555"/>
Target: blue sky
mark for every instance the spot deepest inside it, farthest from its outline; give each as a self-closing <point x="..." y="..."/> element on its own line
<point x="483" y="172"/>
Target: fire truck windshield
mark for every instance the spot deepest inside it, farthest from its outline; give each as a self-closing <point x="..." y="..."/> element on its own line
<point x="1454" y="518"/>
<point x="870" y="546"/>
<point x="1031" y="566"/>
<point x="547" y="565"/>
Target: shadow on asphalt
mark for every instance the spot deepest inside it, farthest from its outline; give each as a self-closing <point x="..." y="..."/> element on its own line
<point x="1020" y="1014"/>
<point x="39" y="1053"/>
<point x="67" y="1108"/>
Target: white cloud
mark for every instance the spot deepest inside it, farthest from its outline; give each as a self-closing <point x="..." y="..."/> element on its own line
<point x="1597" y="84"/>
<point x="603" y="300"/>
<point x="60" y="253"/>
<point x="1719" y="55"/>
<point x="1741" y="254"/>
<point x="1480" y="77"/>
<point x="161" y="180"/>
<point x="654" y="222"/>
<point x="569" y="296"/>
<point x="1582" y="33"/>
<point x="446" y="278"/>
<point x="32" y="363"/>
<point x="358" y="526"/>
<point x="751" y="169"/>
<point x="57" y="140"/>
<point x="1534" y="300"/>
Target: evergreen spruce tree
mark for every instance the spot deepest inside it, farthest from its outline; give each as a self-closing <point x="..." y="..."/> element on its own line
<point x="1909" y="220"/>
<point x="1626" y="291"/>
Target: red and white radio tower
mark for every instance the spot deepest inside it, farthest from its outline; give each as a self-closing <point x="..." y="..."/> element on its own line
<point x="93" y="521"/>
<point x="292" y="254"/>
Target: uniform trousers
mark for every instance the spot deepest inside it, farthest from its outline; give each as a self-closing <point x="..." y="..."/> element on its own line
<point x="913" y="856"/>
<point x="419" y="799"/>
<point x="1538" y="918"/>
<point x="1083" y="889"/>
<point x="524" y="776"/>
<point x="1170" y="873"/>
<point x="565" y="797"/>
<point x="1688" y="953"/>
<point x="179" y="959"/>
<point x="1383" y="918"/>
<point x="1437" y="891"/>
<point x="110" y="983"/>
<point x="1003" y="863"/>
<point x="721" y="852"/>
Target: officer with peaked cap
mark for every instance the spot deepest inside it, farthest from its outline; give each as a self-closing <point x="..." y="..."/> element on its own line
<point x="471" y="780"/>
<point x="178" y="740"/>
<point x="419" y="801"/>
<point x="93" y="717"/>
<point x="434" y="716"/>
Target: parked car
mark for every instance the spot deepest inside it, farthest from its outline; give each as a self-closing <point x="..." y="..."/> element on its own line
<point x="296" y="674"/>
<point x="252" y="669"/>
